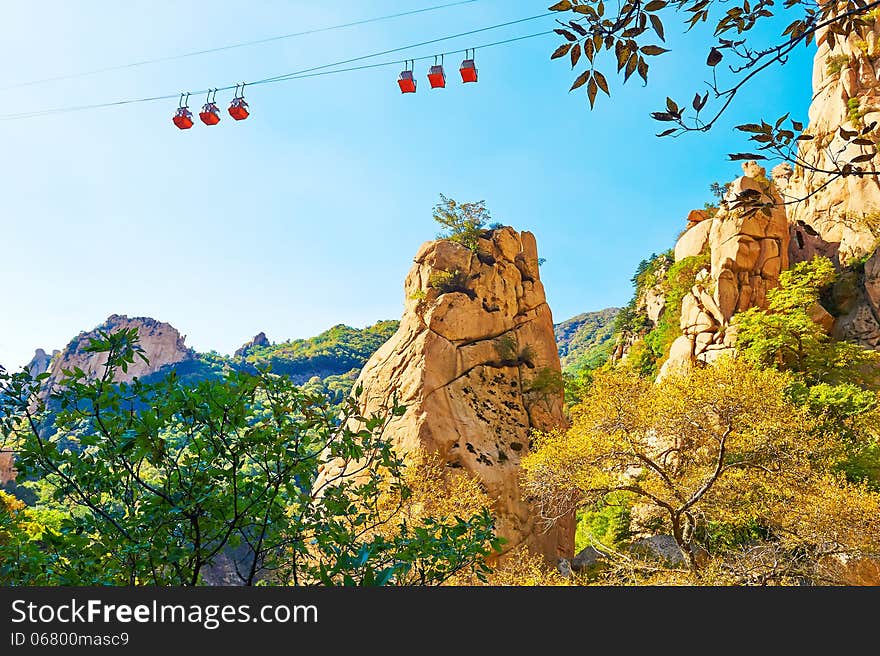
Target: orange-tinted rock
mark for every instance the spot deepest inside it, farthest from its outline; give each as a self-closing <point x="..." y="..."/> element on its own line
<point x="477" y="368"/>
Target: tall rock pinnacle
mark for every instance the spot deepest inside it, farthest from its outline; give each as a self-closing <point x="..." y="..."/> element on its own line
<point x="475" y="363"/>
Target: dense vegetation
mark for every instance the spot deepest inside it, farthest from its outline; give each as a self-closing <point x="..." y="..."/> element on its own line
<point x="160" y="483"/>
<point x="326" y="364"/>
<point x="760" y="469"/>
<point x="585" y="340"/>
<point x="332" y="353"/>
<point x="663" y="278"/>
<point x="585" y="343"/>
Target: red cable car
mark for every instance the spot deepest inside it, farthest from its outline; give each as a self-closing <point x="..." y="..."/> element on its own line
<point x="468" y="69"/>
<point x="210" y="113"/>
<point x="183" y="117"/>
<point x="436" y="75"/>
<point x="238" y="109"/>
<point x="406" y="81"/>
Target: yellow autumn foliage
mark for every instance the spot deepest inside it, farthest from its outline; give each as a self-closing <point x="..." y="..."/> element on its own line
<point x="721" y="445"/>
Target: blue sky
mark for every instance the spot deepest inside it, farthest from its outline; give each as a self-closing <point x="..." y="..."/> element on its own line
<point x="308" y="214"/>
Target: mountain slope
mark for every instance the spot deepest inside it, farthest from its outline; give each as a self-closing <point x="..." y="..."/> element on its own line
<point x="334" y="352"/>
<point x="584" y="341"/>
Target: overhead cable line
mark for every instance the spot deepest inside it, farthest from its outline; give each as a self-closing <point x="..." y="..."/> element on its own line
<point x="279" y="78"/>
<point x="245" y="44"/>
<point x="315" y="71"/>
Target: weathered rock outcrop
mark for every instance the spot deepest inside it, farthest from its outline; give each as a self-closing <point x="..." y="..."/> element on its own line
<point x="747" y="250"/>
<point x="857" y="300"/>
<point x="840" y="218"/>
<point x="41" y="362"/>
<point x="7" y="467"/>
<point x="650" y="303"/>
<point x="162" y="343"/>
<point x="842" y="215"/>
<point x="259" y="339"/>
<point x="475" y="363"/>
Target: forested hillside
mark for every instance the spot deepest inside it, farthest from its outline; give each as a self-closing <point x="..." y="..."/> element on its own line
<point x="585" y="341"/>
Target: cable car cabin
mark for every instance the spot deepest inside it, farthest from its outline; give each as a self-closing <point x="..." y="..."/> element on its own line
<point x="406" y="82"/>
<point x="238" y="109"/>
<point x="210" y="114"/>
<point x="183" y="118"/>
<point x="437" y="77"/>
<point x="468" y="71"/>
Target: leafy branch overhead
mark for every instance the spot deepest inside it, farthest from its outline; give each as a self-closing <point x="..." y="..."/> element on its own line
<point x="847" y="154"/>
<point x="732" y="60"/>
<point x="594" y="32"/>
<point x="630" y="32"/>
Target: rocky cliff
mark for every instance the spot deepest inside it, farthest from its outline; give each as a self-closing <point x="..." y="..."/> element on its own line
<point x="7" y="467"/>
<point x="475" y="363"/>
<point x="41" y="362"/>
<point x="259" y="339"/>
<point x="162" y="343"/>
<point x="841" y="218"/>
<point x="747" y="251"/>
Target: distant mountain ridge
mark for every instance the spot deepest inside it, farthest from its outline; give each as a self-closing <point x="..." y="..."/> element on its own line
<point x="585" y="341"/>
<point x="328" y="362"/>
<point x="334" y="352"/>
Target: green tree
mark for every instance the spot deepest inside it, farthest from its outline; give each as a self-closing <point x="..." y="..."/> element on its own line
<point x="462" y="222"/>
<point x="149" y="483"/>
<point x="786" y="337"/>
<point x="834" y="381"/>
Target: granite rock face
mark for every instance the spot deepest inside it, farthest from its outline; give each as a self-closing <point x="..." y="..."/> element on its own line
<point x="747" y="252"/>
<point x="41" y="362"/>
<point x="476" y="365"/>
<point x="840" y="216"/>
<point x="7" y="467"/>
<point x="259" y="339"/>
<point x="162" y="343"/>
